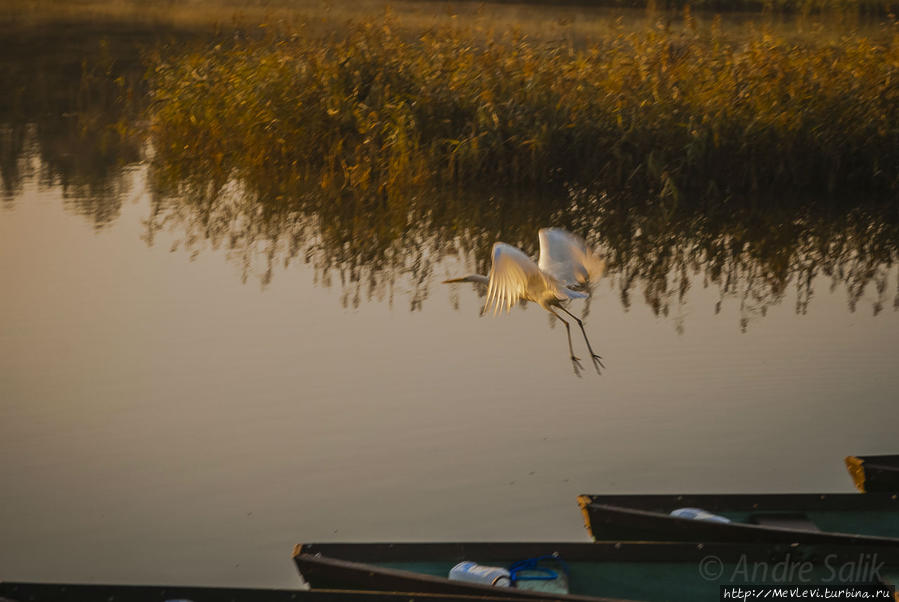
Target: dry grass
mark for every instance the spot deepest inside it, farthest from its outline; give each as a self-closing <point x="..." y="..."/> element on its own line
<point x="657" y="112"/>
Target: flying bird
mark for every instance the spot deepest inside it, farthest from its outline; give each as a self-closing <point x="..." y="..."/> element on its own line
<point x="564" y="269"/>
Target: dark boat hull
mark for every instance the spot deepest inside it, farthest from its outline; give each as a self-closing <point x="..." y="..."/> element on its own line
<point x="65" y="592"/>
<point x="822" y="519"/>
<point x="598" y="571"/>
<point x="874" y="474"/>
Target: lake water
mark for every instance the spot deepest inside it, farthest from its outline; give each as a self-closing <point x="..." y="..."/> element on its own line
<point x="187" y="390"/>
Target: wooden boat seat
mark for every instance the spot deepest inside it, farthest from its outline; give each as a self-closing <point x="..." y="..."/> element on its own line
<point x="784" y="520"/>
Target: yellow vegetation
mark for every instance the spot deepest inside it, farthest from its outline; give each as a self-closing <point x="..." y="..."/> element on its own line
<point x="655" y="111"/>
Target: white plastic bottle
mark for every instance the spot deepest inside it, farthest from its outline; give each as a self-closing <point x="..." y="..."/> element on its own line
<point x="475" y="573"/>
<point x="699" y="514"/>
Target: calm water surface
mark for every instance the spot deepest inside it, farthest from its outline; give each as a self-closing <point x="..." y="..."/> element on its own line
<point x="188" y="388"/>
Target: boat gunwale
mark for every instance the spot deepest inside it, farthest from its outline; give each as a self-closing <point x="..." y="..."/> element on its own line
<point x="597" y="551"/>
<point x="888" y="460"/>
<point x="751" y="502"/>
<point x="889" y="463"/>
<point x="20" y="591"/>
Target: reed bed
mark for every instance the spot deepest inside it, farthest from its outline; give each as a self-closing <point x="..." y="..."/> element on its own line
<point x="656" y="112"/>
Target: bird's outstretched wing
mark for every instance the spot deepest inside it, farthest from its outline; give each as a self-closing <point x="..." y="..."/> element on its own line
<point x="509" y="277"/>
<point x="567" y="258"/>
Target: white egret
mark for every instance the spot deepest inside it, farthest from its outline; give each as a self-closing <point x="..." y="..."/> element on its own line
<point x="566" y="265"/>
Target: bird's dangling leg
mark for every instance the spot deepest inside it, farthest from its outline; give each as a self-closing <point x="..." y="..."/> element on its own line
<point x="597" y="360"/>
<point x="575" y="360"/>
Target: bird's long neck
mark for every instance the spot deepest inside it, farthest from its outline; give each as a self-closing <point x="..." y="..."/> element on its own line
<point x="472" y="278"/>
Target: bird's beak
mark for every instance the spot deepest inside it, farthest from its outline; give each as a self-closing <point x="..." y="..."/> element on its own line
<point x="452" y="280"/>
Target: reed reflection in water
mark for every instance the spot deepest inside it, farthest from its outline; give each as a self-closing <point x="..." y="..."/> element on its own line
<point x="748" y="251"/>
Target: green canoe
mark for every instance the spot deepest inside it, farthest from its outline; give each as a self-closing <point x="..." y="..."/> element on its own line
<point x="595" y="571"/>
<point x="873" y="474"/>
<point x="826" y="519"/>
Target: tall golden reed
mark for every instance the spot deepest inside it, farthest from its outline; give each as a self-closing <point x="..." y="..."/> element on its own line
<point x="654" y="112"/>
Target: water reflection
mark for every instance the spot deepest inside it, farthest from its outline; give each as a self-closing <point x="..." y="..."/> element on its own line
<point x="68" y="100"/>
<point x="67" y="109"/>
<point x="752" y="252"/>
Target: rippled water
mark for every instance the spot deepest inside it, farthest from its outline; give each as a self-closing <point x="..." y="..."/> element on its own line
<point x="197" y="374"/>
